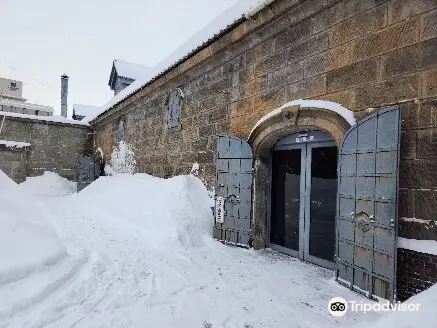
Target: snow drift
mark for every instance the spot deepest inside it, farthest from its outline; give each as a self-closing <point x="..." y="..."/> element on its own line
<point x="27" y="243"/>
<point x="48" y="185"/>
<point x="166" y="211"/>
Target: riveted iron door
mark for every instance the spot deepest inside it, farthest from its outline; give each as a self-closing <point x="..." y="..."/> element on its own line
<point x="233" y="191"/>
<point x="88" y="172"/>
<point x="366" y="220"/>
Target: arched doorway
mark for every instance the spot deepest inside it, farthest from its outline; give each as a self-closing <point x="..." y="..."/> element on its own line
<point x="301" y="218"/>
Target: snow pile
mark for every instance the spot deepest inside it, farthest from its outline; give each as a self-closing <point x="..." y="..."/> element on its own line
<point x="48" y="185"/>
<point x="425" y="317"/>
<point x="166" y="211"/>
<point x="27" y="244"/>
<point x="122" y="159"/>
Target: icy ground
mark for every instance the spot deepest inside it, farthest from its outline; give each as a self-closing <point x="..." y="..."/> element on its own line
<point x="136" y="251"/>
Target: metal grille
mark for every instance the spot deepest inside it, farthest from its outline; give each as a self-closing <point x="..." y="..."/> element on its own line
<point x="366" y="221"/>
<point x="233" y="191"/>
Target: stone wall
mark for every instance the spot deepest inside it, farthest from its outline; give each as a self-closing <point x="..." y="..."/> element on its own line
<point x="13" y="162"/>
<point x="362" y="54"/>
<point x="53" y="147"/>
<point x="358" y="53"/>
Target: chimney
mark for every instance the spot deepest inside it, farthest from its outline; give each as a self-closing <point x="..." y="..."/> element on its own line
<point x="64" y="94"/>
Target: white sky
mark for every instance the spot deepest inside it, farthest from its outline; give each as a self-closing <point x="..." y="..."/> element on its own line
<point x="41" y="39"/>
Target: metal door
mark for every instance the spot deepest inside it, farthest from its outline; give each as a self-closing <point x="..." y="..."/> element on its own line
<point x="367" y="205"/>
<point x="305" y="217"/>
<point x="87" y="172"/>
<point x="233" y="191"/>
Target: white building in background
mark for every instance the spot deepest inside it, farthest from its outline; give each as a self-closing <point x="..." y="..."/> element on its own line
<point x="11" y="100"/>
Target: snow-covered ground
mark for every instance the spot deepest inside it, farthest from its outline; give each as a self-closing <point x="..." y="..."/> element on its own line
<point x="136" y="251"/>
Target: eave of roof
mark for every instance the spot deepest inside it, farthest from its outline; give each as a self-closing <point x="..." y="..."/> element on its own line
<point x="244" y="17"/>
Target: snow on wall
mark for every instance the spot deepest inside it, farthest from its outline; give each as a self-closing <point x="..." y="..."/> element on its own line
<point x="347" y="114"/>
<point x="14" y="144"/>
<point x="54" y="118"/>
<point x="422" y="246"/>
<point x="241" y="10"/>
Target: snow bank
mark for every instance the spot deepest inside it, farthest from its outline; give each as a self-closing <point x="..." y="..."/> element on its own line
<point x="49" y="184"/>
<point x="425" y="317"/>
<point x="27" y="243"/>
<point x="167" y="211"/>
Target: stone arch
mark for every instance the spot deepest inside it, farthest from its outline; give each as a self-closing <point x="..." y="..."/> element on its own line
<point x="300" y="115"/>
<point x="295" y="117"/>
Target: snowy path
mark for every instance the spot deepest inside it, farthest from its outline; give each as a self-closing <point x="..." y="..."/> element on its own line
<point x="114" y="277"/>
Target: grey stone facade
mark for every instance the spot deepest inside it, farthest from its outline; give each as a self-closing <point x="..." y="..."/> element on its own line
<point x="53" y="147"/>
<point x="362" y="54"/>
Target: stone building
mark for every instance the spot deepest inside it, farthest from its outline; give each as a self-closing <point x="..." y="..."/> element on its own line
<point x="316" y="121"/>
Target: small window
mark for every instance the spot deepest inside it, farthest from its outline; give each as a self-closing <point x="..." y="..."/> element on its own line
<point x="174" y="109"/>
<point x="120" y="131"/>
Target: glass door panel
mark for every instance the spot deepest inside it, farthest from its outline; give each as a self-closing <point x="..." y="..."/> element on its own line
<point x="322" y="206"/>
<point x="286" y="198"/>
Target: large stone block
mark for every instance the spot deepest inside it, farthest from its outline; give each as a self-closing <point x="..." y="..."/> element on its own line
<point x="286" y="75"/>
<point x="307" y="48"/>
<point x="290" y="36"/>
<point x="328" y="60"/>
<point x="270" y="63"/>
<point x="427" y="143"/>
<point x="426" y="204"/>
<point x="429" y="26"/>
<point x="401" y="9"/>
<point x="408" y="144"/>
<point x="345" y="98"/>
<point x="410" y="59"/>
<point x="419" y="114"/>
<point x="429" y="83"/>
<point x="418" y="173"/>
<point x="407" y="203"/>
<point x="311" y="87"/>
<point x="359" y="25"/>
<point x="365" y="71"/>
<point x="388" y="92"/>
<point x="387" y="39"/>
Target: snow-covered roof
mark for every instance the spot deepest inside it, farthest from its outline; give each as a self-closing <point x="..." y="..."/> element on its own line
<point x="130" y="70"/>
<point x="230" y="18"/>
<point x="54" y="118"/>
<point x="21" y="104"/>
<point x="86" y="110"/>
<point x="14" y="144"/>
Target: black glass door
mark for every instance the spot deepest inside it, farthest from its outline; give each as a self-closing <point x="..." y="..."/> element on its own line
<point x="323" y="198"/>
<point x="286" y="198"/>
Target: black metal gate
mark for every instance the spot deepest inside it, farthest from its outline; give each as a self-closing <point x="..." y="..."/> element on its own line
<point x="367" y="205"/>
<point x="233" y="191"/>
<point x="88" y="172"/>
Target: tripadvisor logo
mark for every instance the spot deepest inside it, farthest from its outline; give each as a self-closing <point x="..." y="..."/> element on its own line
<point x="338" y="307"/>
